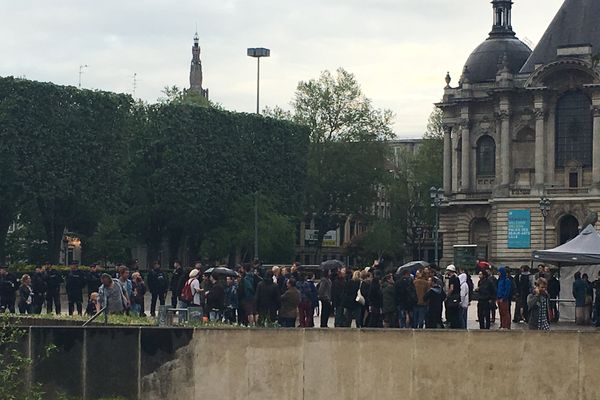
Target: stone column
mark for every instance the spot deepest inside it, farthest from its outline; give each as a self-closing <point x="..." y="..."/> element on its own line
<point x="540" y="149"/>
<point x="448" y="159"/>
<point x="596" y="148"/>
<point x="505" y="148"/>
<point x="455" y="161"/>
<point x="466" y="156"/>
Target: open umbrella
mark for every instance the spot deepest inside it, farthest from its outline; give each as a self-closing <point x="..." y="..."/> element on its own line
<point x="221" y="271"/>
<point x="412" y="266"/>
<point x="331" y="264"/>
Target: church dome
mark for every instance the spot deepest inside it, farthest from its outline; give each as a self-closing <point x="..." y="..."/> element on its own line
<point x="484" y="62"/>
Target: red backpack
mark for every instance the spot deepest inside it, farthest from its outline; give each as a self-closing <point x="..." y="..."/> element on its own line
<point x="186" y="292"/>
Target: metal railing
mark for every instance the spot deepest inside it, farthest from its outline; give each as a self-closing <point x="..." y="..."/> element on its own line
<point x="102" y="311"/>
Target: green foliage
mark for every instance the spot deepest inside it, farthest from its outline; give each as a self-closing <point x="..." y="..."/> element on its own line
<point x="175" y="95"/>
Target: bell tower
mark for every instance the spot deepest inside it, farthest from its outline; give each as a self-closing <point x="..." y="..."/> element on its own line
<point x="502" y="18"/>
<point x="196" y="69"/>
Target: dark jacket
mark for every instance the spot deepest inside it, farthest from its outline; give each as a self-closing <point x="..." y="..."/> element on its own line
<point x="525" y="286"/>
<point x="389" y="298"/>
<point x="38" y="285"/>
<point x="53" y="281"/>
<point x="75" y="284"/>
<point x="176" y="281"/>
<point x="267" y="297"/>
<point x="375" y="295"/>
<point x="289" y="303"/>
<point x="434" y="298"/>
<point x="487" y="290"/>
<point x="138" y="290"/>
<point x="93" y="281"/>
<point x="24" y="293"/>
<point x="324" y="289"/>
<point x="337" y="291"/>
<point x="215" y="298"/>
<point x="579" y="292"/>
<point x="157" y="281"/>
<point x="554" y="288"/>
<point x="349" y="294"/>
<point x="406" y="294"/>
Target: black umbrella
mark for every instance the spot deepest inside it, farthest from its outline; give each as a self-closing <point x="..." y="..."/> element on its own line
<point x="412" y="266"/>
<point x="221" y="271"/>
<point x="331" y="264"/>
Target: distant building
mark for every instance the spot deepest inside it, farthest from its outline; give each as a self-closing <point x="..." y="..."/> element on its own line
<point x="196" y="70"/>
<point x="519" y="126"/>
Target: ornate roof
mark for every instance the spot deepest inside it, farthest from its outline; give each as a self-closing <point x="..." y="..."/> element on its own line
<point x="576" y="23"/>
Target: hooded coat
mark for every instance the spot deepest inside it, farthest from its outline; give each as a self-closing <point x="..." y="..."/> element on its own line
<point x="504" y="291"/>
<point x="464" y="290"/>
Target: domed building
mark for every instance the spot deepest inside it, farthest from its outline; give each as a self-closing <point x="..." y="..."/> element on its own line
<point x="522" y="126"/>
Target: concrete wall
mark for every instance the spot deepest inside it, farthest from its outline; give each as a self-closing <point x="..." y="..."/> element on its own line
<point x="329" y="364"/>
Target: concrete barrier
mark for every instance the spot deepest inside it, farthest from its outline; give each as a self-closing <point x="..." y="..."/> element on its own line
<point x="314" y="364"/>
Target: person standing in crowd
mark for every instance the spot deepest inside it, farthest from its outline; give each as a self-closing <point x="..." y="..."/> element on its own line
<point x="434" y="298"/>
<point x="111" y="295"/>
<point x="39" y="290"/>
<point x="453" y="298"/>
<point x="175" y="285"/>
<point x="279" y="279"/>
<point x="25" y="295"/>
<point x="465" y="300"/>
<point x="290" y="300"/>
<point x="504" y="296"/>
<point x="580" y="293"/>
<point x="215" y="299"/>
<point x="324" y="294"/>
<point x="127" y="285"/>
<point x="305" y="310"/>
<point x="337" y="292"/>
<point x="554" y="295"/>
<point x="268" y="300"/>
<point x="138" y="290"/>
<point x="389" y="305"/>
<point x="407" y="298"/>
<point x="589" y="298"/>
<point x="537" y="303"/>
<point x="597" y="302"/>
<point x="92" y="305"/>
<point x="231" y="300"/>
<point x="157" y="285"/>
<point x="247" y="295"/>
<point x="487" y="296"/>
<point x="420" y="308"/>
<point x="92" y="279"/>
<point x="493" y="305"/>
<point x="517" y="297"/>
<point x="314" y="297"/>
<point x="525" y="289"/>
<point x="53" y="280"/>
<point x="74" y="285"/>
<point x="352" y="306"/>
<point x="365" y="290"/>
<point x="375" y="301"/>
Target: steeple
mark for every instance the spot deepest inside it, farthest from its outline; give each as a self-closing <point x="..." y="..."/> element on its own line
<point x="196" y="69"/>
<point x="502" y="18"/>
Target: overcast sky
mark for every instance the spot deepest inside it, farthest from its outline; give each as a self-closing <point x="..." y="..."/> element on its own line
<point x="399" y="50"/>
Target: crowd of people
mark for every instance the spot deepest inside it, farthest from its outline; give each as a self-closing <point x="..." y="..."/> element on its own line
<point x="426" y="297"/>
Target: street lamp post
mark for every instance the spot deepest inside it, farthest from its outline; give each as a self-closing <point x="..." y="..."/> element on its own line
<point x="258" y="53"/>
<point x="436" y="195"/>
<point x="545" y="209"/>
<point x="81" y="68"/>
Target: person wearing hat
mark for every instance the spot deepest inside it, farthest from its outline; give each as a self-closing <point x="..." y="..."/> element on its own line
<point x="453" y="299"/>
<point x="8" y="290"/>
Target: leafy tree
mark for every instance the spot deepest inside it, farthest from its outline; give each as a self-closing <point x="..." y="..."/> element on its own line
<point x="175" y="95"/>
<point x="346" y="162"/>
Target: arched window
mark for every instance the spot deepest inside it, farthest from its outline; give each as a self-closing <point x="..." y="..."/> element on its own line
<point x="574" y="126"/>
<point x="486" y="156"/>
<point x="568" y="229"/>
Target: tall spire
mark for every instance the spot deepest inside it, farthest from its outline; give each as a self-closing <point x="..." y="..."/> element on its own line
<point x="502" y="18"/>
<point x="196" y="69"/>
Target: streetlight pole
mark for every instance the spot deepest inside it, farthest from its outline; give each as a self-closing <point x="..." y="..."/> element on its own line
<point x="81" y="68"/>
<point x="545" y="209"/>
<point x="436" y="195"/>
<point x="258" y="53"/>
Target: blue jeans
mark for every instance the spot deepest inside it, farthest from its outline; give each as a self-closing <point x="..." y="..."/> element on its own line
<point x="402" y="314"/>
<point x="463" y="317"/>
<point x="419" y="313"/>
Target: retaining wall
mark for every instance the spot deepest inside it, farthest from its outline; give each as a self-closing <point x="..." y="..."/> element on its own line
<point x="158" y="363"/>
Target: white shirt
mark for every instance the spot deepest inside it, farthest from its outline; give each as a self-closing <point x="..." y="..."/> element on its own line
<point x="195" y="286"/>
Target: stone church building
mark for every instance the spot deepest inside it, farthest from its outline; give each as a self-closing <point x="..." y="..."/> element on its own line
<point x="522" y="125"/>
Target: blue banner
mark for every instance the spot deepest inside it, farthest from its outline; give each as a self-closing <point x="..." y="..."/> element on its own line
<point x="519" y="229"/>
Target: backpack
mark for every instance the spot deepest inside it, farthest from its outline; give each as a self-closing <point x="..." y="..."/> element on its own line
<point x="186" y="292"/>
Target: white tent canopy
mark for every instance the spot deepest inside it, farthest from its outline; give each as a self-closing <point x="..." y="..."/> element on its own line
<point x="582" y="250"/>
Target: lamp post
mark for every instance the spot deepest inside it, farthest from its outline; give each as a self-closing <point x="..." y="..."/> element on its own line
<point x="545" y="209"/>
<point x="258" y="53"/>
<point x="436" y="195"/>
<point x="81" y="68"/>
